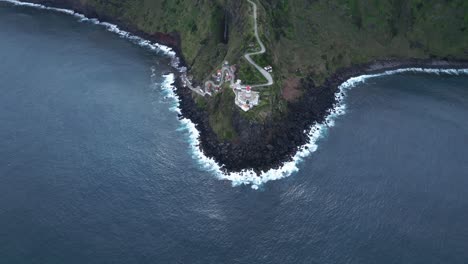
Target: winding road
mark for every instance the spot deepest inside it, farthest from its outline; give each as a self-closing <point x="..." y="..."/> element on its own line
<point x="248" y="57"/>
<point x="223" y="74"/>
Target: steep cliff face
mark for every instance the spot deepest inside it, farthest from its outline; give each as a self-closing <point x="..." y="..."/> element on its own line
<point x="313" y="45"/>
<point x="304" y="37"/>
<point x="196" y="27"/>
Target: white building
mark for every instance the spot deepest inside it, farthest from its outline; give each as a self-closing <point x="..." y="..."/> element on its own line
<point x="237" y="85"/>
<point x="268" y="69"/>
<point x="247" y="99"/>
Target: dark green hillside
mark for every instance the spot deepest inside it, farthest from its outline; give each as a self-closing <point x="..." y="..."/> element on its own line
<point x="304" y="38"/>
<point x="200" y="24"/>
<point x="320" y="36"/>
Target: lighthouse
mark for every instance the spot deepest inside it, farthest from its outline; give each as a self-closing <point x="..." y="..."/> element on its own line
<point x="246" y="98"/>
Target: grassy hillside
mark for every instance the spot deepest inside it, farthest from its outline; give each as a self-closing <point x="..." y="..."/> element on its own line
<point x="200" y="24"/>
<point x="314" y="38"/>
<point x="317" y="37"/>
<point x="304" y="38"/>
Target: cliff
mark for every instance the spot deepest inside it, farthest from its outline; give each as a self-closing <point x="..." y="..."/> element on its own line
<point x="313" y="45"/>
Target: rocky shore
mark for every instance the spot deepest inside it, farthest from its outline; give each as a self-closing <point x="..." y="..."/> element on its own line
<point x="170" y="39"/>
<point x="262" y="146"/>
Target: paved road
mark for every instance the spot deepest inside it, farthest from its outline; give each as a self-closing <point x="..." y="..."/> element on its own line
<point x="223" y="74"/>
<point x="247" y="56"/>
<point x="197" y="89"/>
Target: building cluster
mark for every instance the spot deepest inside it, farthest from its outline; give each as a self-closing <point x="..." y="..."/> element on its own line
<point x="221" y="76"/>
<point x="246" y="99"/>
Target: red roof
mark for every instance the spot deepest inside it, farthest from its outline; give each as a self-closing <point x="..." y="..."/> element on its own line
<point x="248" y="88"/>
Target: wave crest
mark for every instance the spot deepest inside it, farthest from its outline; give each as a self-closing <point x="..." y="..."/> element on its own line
<point x="317" y="130"/>
<point x="110" y="27"/>
<point x="248" y="176"/>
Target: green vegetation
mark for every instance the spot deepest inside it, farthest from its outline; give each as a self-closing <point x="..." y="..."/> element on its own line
<point x="200" y="102"/>
<point x="199" y="24"/>
<point x="221" y="112"/>
<point x="303" y="38"/>
<point x="259" y="113"/>
<point x="248" y="74"/>
<point x="263" y="60"/>
<point x="324" y="35"/>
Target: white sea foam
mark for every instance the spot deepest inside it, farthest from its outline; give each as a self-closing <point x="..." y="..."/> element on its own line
<point x="110" y="27"/>
<point x="248" y="176"/>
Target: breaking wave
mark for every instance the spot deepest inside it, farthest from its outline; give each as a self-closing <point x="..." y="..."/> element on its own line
<point x="317" y="130"/>
<point x="248" y="176"/>
<point x="110" y="27"/>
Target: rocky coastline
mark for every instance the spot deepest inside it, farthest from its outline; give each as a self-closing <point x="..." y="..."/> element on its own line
<point x="268" y="146"/>
<point x="262" y="146"/>
<point x="170" y="39"/>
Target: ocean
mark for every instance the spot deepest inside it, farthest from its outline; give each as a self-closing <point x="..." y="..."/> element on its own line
<point x="96" y="167"/>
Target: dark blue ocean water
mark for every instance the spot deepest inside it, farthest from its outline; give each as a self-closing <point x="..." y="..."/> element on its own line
<point x="94" y="169"/>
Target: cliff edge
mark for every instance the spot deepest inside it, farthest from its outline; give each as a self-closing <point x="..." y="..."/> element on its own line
<point x="311" y="47"/>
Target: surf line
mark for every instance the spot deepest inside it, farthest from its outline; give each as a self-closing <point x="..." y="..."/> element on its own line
<point x="315" y="133"/>
<point x="110" y="27"/>
<point x="247" y="176"/>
